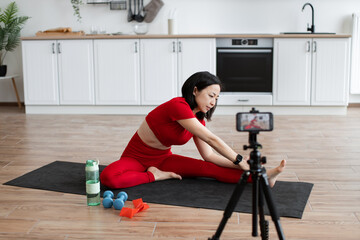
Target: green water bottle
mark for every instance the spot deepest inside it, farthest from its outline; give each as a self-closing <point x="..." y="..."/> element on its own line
<point x="92" y="183"/>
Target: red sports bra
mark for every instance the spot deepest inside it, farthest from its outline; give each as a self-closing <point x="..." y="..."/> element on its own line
<point x="163" y="122"/>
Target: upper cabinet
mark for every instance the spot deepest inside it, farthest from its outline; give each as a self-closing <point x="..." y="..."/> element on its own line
<point x="311" y="71"/>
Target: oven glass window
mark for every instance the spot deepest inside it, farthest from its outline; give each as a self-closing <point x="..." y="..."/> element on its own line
<point x="245" y="72"/>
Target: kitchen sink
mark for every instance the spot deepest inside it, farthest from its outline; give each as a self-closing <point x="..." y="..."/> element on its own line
<point x="307" y="33"/>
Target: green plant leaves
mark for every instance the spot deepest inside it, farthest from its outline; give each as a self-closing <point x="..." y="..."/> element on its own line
<point x="10" y="27"/>
<point x="76" y="6"/>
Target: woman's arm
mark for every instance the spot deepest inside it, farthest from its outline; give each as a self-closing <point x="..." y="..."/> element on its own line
<point x="209" y="155"/>
<point x="204" y="134"/>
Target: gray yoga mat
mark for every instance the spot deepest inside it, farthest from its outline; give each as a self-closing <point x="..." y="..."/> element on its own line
<point x="68" y="177"/>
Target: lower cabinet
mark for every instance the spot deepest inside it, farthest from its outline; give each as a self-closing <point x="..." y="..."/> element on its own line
<point x="40" y="70"/>
<point x="58" y="72"/>
<point x="76" y="72"/>
<point x="307" y="71"/>
<point x="311" y="71"/>
<point x="112" y="71"/>
<point x="117" y="72"/>
<point x="330" y="72"/>
<point x="158" y="70"/>
<point x="195" y="55"/>
<point x="167" y="63"/>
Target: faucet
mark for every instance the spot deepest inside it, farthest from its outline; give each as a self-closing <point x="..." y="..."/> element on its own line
<point x="312" y="28"/>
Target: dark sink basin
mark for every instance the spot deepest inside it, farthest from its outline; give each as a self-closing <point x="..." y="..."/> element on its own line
<point x="307" y="33"/>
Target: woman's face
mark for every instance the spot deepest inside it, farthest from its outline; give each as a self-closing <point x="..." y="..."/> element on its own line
<point x="206" y="98"/>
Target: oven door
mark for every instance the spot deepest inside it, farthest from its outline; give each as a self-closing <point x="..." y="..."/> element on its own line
<point x="245" y="70"/>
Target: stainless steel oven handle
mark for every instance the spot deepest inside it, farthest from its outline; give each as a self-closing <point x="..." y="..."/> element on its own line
<point x="244" y="50"/>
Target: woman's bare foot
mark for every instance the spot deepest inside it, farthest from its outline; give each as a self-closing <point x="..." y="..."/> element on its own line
<point x="161" y="175"/>
<point x="274" y="173"/>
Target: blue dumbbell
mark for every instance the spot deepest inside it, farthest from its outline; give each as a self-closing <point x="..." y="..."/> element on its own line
<point x="108" y="199"/>
<point x="120" y="200"/>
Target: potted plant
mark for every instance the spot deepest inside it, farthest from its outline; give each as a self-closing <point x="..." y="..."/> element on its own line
<point x="76" y="6"/>
<point x="10" y="27"/>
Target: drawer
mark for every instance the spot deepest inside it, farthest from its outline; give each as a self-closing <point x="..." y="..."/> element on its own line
<point x="245" y="99"/>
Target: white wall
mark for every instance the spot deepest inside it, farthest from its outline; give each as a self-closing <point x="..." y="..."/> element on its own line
<point x="192" y="16"/>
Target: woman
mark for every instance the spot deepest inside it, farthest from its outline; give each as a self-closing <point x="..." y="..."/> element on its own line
<point x="148" y="157"/>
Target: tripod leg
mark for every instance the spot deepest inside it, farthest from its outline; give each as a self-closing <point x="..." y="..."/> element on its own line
<point x="255" y="203"/>
<point x="264" y="224"/>
<point x="240" y="186"/>
<point x="265" y="187"/>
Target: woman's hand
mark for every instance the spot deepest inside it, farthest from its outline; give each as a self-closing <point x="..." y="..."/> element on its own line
<point x="244" y="164"/>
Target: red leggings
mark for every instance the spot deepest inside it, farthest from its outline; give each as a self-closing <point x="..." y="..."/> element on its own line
<point x="131" y="169"/>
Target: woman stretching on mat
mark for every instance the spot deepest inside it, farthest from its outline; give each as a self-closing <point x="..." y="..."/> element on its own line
<point x="148" y="157"/>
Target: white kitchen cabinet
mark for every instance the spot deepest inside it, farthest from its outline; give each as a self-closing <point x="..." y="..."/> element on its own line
<point x="40" y="71"/>
<point x="109" y="71"/>
<point x="195" y="55"/>
<point x="311" y="71"/>
<point x="292" y="72"/>
<point x="76" y="72"/>
<point x="158" y="70"/>
<point x="117" y="72"/>
<point x="58" y="72"/>
<point x="167" y="63"/>
<point x="330" y="74"/>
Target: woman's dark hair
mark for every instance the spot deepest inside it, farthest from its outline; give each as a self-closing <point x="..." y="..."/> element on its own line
<point x="200" y="80"/>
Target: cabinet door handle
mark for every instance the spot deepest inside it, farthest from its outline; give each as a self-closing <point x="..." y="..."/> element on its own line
<point x="136" y="47"/>
<point x="308" y="46"/>
<point x="59" y="48"/>
<point x="173" y="46"/>
<point x="53" y="48"/>
<point x="314" y="46"/>
<point x="180" y="46"/>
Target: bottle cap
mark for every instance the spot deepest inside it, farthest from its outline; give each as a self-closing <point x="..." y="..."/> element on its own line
<point x="92" y="165"/>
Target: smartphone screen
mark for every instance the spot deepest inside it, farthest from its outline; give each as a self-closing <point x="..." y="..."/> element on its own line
<point x="250" y="122"/>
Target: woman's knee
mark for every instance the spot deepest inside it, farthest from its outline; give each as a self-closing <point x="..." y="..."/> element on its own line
<point x="118" y="172"/>
<point x="107" y="178"/>
<point x="110" y="173"/>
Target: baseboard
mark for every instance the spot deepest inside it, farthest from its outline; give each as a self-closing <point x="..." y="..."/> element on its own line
<point x="354" y="105"/>
<point x="221" y="110"/>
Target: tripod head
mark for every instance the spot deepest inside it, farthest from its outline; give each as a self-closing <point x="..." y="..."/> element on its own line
<point x="254" y="122"/>
<point x="255" y="160"/>
<point x="253" y="144"/>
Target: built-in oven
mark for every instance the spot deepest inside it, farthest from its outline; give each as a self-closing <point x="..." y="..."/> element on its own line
<point x="245" y="67"/>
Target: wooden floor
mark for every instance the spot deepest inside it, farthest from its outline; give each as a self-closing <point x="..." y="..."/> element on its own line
<point x="324" y="150"/>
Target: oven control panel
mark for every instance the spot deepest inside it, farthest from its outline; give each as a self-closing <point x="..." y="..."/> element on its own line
<point x="244" y="42"/>
<point x="251" y="42"/>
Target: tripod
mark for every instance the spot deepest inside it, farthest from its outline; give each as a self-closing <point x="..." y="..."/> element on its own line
<point x="260" y="186"/>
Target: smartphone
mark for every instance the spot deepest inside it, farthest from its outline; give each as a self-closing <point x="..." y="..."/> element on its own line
<point x="254" y="122"/>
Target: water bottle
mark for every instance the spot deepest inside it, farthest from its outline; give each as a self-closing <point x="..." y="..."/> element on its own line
<point x="92" y="183"/>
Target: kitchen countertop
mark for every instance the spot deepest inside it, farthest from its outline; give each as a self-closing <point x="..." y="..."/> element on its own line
<point x="149" y="36"/>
